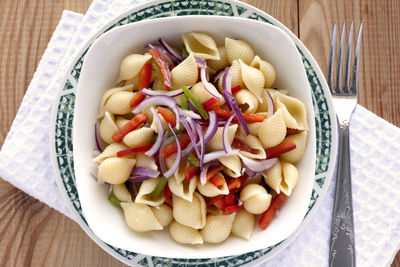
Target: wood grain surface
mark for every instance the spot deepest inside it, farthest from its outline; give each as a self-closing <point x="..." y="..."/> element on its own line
<point x="32" y="234"/>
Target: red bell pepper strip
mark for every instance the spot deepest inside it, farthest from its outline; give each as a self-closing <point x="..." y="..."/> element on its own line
<point x="236" y="89"/>
<point x="235" y="183"/>
<point x="241" y="145"/>
<point x="172" y="148"/>
<point x="290" y="131"/>
<point x="217" y="180"/>
<point x="211" y="104"/>
<point x="270" y="213"/>
<point x="230" y="199"/>
<point x="168" y="115"/>
<point x="133" y="150"/>
<point x="168" y="195"/>
<point x="163" y="66"/>
<point x="283" y="147"/>
<point x="248" y="117"/>
<point x="134" y="123"/>
<point x="214" y="199"/>
<point x="144" y="82"/>
<point x="190" y="172"/>
<point x="233" y="208"/>
<point x="220" y="204"/>
<point x="213" y="170"/>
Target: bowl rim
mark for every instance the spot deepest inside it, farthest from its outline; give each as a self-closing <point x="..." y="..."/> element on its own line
<point x="126" y="256"/>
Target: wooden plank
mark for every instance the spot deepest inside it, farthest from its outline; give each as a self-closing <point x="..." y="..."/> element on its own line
<point x="379" y="69"/>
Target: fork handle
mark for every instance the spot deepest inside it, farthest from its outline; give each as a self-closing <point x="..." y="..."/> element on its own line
<point x="342" y="252"/>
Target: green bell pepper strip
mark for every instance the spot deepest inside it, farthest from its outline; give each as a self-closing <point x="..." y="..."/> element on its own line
<point x="194" y="101"/>
<point x="159" y="188"/>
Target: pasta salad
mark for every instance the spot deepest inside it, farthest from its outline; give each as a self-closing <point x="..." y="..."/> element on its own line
<point x="199" y="140"/>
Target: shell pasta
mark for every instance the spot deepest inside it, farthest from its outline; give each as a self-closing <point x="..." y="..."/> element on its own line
<point x="197" y="142"/>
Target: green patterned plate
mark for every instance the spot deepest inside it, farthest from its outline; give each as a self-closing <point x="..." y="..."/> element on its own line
<point x="63" y="115"/>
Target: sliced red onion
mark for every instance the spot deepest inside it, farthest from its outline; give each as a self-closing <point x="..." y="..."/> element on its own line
<point x="190" y="133"/>
<point x="145" y="171"/>
<point x="156" y="147"/>
<point x="175" y="166"/>
<point x="231" y="101"/>
<point x="161" y="160"/>
<point x="225" y="138"/>
<point x="203" y="174"/>
<point x="258" y="165"/>
<point x="173" y="93"/>
<point x="201" y="63"/>
<point x="212" y="126"/>
<point x="218" y="154"/>
<point x="207" y="86"/>
<point x="160" y="100"/>
<point x="97" y="138"/>
<point x="216" y="76"/>
<point x="201" y="142"/>
<point x="138" y="179"/>
<point x="189" y="114"/>
<point x="270" y="102"/>
<point x="170" y="50"/>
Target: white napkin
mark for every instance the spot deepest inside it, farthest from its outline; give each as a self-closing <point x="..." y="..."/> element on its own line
<point x="25" y="157"/>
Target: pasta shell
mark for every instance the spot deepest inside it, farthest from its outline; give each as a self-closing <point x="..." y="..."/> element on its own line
<point x="246" y="101"/>
<point x="192" y="214"/>
<point x="163" y="214"/>
<point x="253" y="79"/>
<point x="222" y="62"/>
<point x="263" y="107"/>
<point x="201" y="45"/>
<point x="144" y="195"/>
<point x="253" y="128"/>
<point x="294" y="112"/>
<point x="200" y="93"/>
<point x="131" y="65"/>
<point x="217" y="228"/>
<point x="272" y="130"/>
<point x="120" y="121"/>
<point x="119" y="103"/>
<point x="252" y="142"/>
<point x="233" y="165"/>
<point x="243" y="225"/>
<point x="139" y="137"/>
<point x="235" y="74"/>
<point x="290" y="178"/>
<point x="107" y="128"/>
<point x="273" y="177"/>
<point x="108" y="94"/>
<point x="134" y="82"/>
<point x="254" y="180"/>
<point x="266" y="69"/>
<point x="154" y="124"/>
<point x="143" y="160"/>
<point x="122" y="193"/>
<point x="115" y="170"/>
<point x="139" y="217"/>
<point x="183" y="189"/>
<point x="210" y="190"/>
<point x="238" y="49"/>
<point x="185" y="73"/>
<point x="216" y="141"/>
<point x="255" y="198"/>
<point x="296" y="154"/>
<point x="184" y="234"/>
<point x="109" y="152"/>
<point x="282" y="177"/>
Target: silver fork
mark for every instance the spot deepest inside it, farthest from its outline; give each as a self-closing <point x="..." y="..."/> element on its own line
<point x="342" y="251"/>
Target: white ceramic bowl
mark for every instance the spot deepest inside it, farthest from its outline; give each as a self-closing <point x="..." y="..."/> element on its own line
<point x="100" y="72"/>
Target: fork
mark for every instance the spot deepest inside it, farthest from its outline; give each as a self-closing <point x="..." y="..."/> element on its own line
<point x="342" y="250"/>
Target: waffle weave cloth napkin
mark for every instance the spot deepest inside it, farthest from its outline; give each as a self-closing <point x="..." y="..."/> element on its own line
<point x="375" y="155"/>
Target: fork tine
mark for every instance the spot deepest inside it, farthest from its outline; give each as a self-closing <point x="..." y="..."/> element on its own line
<point x="331" y="58"/>
<point x="346" y="85"/>
<point x="354" y="82"/>
<point x="340" y="58"/>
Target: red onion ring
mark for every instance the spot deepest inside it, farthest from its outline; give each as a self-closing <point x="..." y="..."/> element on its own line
<point x="175" y="166"/>
<point x="156" y="147"/>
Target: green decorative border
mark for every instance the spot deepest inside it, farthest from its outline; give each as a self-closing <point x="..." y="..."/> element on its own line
<point x="65" y="111"/>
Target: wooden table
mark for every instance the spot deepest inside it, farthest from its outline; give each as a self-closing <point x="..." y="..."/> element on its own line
<point x="32" y="234"/>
